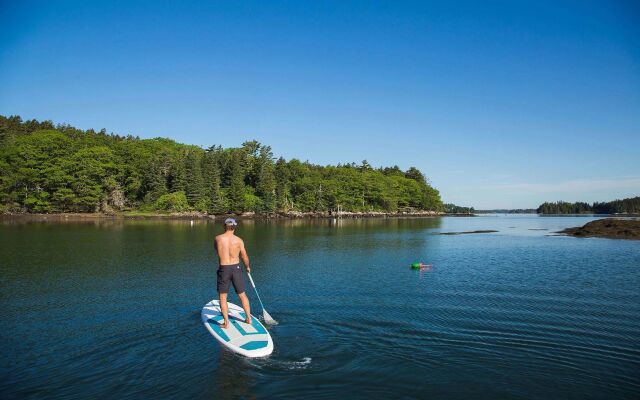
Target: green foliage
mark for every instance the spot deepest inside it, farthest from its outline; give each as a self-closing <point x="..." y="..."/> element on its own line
<point x="282" y="185"/>
<point x="454" y="209"/>
<point x="562" y="207"/>
<point x="195" y="184"/>
<point x="172" y="202"/>
<point x="253" y="203"/>
<point x="47" y="168"/>
<point x="625" y="206"/>
<point x="37" y="201"/>
<point x="266" y="187"/>
<point x="236" y="191"/>
<point x="211" y="181"/>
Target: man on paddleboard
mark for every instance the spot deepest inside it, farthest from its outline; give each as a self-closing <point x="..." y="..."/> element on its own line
<point x="230" y="248"/>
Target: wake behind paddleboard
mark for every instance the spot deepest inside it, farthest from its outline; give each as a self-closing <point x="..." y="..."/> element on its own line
<point x="249" y="340"/>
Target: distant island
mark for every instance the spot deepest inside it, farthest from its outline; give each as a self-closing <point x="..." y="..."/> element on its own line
<point x="625" y="206"/>
<point x="508" y="211"/>
<point x="47" y="168"/>
<point x="454" y="209"/>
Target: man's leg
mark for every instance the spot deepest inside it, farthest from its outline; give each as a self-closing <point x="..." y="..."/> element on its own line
<point x="245" y="305"/>
<point x="224" y="277"/>
<point x="224" y="307"/>
<point x="238" y="284"/>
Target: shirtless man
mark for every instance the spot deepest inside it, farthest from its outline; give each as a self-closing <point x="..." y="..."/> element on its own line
<point x="230" y="248"/>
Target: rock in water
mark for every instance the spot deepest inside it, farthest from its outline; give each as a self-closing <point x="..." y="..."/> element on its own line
<point x="612" y="228"/>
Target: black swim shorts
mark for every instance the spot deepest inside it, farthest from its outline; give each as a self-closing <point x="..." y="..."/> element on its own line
<point x="228" y="274"/>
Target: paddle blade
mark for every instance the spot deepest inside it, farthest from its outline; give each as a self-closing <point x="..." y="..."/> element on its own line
<point x="268" y="319"/>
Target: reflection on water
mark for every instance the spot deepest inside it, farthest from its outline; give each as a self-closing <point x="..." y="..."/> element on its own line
<point x="232" y="382"/>
<point x="110" y="309"/>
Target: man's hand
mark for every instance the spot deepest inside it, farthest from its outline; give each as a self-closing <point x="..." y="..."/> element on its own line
<point x="248" y="269"/>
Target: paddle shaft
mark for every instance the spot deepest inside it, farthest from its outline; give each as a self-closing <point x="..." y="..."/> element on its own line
<point x="256" y="290"/>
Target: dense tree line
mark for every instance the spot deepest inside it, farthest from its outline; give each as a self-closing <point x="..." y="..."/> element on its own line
<point x="625" y="206"/>
<point x="58" y="168"/>
<point x="508" y="211"/>
<point x="563" y="207"/>
<point x="454" y="209"/>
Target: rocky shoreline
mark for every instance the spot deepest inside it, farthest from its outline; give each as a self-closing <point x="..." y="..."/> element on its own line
<point x="607" y="228"/>
<point x="245" y="215"/>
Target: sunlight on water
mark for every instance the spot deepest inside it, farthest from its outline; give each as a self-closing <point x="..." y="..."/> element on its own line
<point x="111" y="309"/>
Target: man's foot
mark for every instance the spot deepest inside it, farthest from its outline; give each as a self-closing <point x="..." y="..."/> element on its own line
<point x="225" y="325"/>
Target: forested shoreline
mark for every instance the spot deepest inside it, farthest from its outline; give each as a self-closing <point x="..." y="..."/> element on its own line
<point x="624" y="206"/>
<point x="454" y="209"/>
<point x="47" y="168"/>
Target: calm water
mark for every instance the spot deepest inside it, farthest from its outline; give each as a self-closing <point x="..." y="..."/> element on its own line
<point x="111" y="309"/>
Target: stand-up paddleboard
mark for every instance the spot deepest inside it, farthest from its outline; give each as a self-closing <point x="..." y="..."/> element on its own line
<point x="249" y="340"/>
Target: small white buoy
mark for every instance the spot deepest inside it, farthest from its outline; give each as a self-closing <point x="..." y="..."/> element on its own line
<point x="191" y="222"/>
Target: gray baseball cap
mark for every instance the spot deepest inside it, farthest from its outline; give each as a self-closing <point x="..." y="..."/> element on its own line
<point x="230" y="221"/>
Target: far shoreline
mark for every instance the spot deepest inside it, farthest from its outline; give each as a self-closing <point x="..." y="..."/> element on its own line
<point x="216" y="217"/>
<point x="292" y="215"/>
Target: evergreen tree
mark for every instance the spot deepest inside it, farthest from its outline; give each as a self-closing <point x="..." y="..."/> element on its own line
<point x="177" y="175"/>
<point x="282" y="189"/>
<point x="236" y="187"/>
<point x="266" y="187"/>
<point x="415" y="174"/>
<point x="252" y="162"/>
<point x="211" y="172"/>
<point x="194" y="181"/>
<point x="154" y="181"/>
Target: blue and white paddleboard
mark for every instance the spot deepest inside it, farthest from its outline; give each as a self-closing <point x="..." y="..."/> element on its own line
<point x="249" y="340"/>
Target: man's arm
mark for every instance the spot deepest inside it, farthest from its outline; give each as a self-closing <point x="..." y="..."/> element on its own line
<point x="245" y="257"/>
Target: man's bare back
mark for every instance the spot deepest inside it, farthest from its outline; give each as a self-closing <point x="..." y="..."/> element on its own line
<point x="230" y="249"/>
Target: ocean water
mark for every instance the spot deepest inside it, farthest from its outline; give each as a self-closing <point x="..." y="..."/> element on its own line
<point x="111" y="309"/>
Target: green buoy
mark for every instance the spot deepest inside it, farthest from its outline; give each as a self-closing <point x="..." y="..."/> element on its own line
<point x="421" y="266"/>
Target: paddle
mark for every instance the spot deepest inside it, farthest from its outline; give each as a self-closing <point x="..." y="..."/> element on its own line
<point x="265" y="314"/>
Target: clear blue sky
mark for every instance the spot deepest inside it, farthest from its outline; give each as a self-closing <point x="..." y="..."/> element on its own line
<point x="501" y="104"/>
